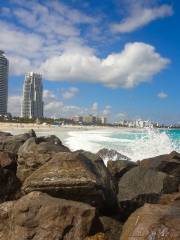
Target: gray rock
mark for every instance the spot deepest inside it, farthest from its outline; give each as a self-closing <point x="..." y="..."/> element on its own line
<point x="141" y="185"/>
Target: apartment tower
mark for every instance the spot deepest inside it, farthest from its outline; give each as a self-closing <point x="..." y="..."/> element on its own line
<point x="32" y="103"/>
<point x="4" y="69"/>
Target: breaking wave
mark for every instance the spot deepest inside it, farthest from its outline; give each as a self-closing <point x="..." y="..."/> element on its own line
<point x="135" y="144"/>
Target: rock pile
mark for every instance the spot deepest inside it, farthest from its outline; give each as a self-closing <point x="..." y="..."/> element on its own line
<point x="48" y="192"/>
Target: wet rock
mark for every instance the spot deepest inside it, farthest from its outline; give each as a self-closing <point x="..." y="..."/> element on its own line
<point x="168" y="163"/>
<point x="111" y="228"/>
<point x="141" y="185"/>
<point x="35" y="152"/>
<point x="118" y="168"/>
<point x="38" y="216"/>
<point x="76" y="177"/>
<point x="153" y="221"/>
<point x="110" y="154"/>
<point x="98" y="236"/>
<point x="13" y="143"/>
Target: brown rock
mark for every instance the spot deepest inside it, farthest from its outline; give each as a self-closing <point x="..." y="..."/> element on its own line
<point x="8" y="160"/>
<point x="38" y="216"/>
<point x="156" y="222"/>
<point x="111" y="227"/>
<point x="169" y="198"/>
<point x="98" y="236"/>
<point x="35" y="152"/>
<point x="13" y="143"/>
<point x="74" y="176"/>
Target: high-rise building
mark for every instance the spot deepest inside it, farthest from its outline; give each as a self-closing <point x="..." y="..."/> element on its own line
<point x="4" y="67"/>
<point x="32" y="103"/>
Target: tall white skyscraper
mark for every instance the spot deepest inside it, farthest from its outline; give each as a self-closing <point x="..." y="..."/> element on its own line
<point x="4" y="67"/>
<point x="32" y="103"/>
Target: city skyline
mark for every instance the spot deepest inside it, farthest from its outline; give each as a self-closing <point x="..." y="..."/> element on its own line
<point x="117" y="59"/>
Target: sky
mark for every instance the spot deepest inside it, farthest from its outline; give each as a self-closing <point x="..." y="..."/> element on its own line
<point x="117" y="58"/>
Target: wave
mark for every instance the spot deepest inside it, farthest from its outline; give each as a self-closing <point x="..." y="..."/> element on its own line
<point x="136" y="145"/>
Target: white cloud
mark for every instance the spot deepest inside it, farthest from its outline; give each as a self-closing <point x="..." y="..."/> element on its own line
<point x="137" y="63"/>
<point x="14" y="105"/>
<point x="107" y="110"/>
<point x="140" y="16"/>
<point x="70" y="93"/>
<point x="162" y="95"/>
<point x="52" y="44"/>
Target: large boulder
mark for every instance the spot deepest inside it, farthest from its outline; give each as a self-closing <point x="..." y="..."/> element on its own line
<point x="110" y="154"/>
<point x="141" y="185"/>
<point x="153" y="221"/>
<point x="168" y="163"/>
<point x="35" y="152"/>
<point x="13" y="143"/>
<point x="38" y="216"/>
<point x="118" y="168"/>
<point x="76" y="177"/>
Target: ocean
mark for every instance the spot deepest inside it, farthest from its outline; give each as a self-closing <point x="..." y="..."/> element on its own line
<point x="137" y="144"/>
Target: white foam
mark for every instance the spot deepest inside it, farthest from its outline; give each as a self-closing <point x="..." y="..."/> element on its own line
<point x="134" y="144"/>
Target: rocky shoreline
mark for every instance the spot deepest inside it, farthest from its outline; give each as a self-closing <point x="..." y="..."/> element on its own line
<point x="48" y="192"/>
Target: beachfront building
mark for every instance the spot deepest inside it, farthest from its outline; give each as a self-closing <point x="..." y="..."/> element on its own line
<point x="4" y="67"/>
<point x="32" y="103"/>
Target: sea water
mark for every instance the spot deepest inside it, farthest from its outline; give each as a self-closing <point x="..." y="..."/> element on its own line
<point x="135" y="144"/>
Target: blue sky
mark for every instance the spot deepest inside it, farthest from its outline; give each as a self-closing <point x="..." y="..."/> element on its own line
<point x="118" y="58"/>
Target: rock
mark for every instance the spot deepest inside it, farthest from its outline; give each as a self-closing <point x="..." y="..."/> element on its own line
<point x="141" y="185"/>
<point x="74" y="176"/>
<point x="169" y="198"/>
<point x="168" y="163"/>
<point x="118" y="168"/>
<point x="8" y="160"/>
<point x="98" y="236"/>
<point x="9" y="185"/>
<point x="153" y="221"/>
<point x="111" y="227"/>
<point x="4" y="134"/>
<point x="13" y="143"/>
<point x="38" y="216"/>
<point x="35" y="152"/>
<point x="110" y="154"/>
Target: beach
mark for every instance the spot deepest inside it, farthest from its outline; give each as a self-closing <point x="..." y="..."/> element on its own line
<point x="137" y="144"/>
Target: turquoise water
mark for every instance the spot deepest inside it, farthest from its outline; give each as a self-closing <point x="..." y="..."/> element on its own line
<point x="136" y="144"/>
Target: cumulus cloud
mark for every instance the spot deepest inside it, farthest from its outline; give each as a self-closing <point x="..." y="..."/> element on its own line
<point x="70" y="93"/>
<point x="136" y="63"/>
<point x="162" y="95"/>
<point x="37" y="43"/>
<point x="141" y="15"/>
